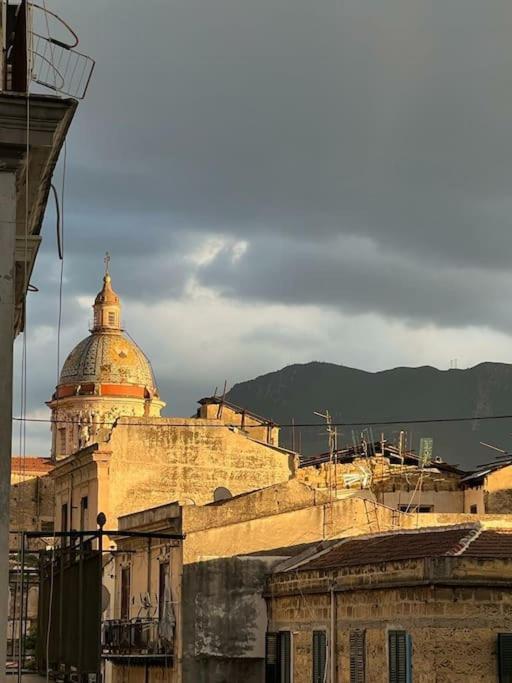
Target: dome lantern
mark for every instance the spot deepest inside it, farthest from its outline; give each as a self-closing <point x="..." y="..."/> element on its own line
<point x="107" y="307"/>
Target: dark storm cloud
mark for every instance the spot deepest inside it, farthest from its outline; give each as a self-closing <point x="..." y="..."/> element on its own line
<point x="356" y="276"/>
<point x="314" y="121"/>
<point x="300" y="127"/>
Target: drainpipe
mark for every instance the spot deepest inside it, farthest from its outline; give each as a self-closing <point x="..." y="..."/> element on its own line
<point x="332" y="658"/>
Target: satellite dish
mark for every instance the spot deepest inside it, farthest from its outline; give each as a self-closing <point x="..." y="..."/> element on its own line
<point x="105" y="598"/>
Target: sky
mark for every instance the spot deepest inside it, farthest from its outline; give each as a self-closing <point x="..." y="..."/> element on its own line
<point x="283" y="181"/>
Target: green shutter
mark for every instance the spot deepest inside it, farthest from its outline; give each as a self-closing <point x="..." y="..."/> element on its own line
<point x="357" y="656"/>
<point x="400" y="657"/>
<point x="505" y="657"/>
<point x="271" y="658"/>
<point x="285" y="669"/>
<point x="319" y="656"/>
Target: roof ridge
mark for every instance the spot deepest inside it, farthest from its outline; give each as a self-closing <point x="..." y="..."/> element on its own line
<point x="461" y="546"/>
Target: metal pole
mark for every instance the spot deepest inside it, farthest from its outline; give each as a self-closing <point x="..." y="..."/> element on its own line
<point x="7" y="309"/>
<point x="100" y="520"/>
<point x="22" y="575"/>
<point x="80" y="608"/>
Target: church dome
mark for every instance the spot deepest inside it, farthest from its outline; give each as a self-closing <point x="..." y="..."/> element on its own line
<point x="107" y="358"/>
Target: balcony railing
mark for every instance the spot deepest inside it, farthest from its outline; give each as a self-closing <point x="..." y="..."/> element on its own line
<point x="136" y="640"/>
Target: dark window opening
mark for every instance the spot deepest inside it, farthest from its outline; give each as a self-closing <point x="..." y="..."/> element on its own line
<point x="163" y="589"/>
<point x="505" y="657"/>
<point x="416" y="508"/>
<point x="125" y="593"/>
<point x="278" y="665"/>
<point x="473" y="509"/>
<point x="84" y="505"/>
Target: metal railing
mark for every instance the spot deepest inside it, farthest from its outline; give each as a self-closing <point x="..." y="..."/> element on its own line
<point x="134" y="638"/>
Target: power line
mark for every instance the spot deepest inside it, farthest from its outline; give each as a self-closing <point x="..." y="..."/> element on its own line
<point x="306" y="425"/>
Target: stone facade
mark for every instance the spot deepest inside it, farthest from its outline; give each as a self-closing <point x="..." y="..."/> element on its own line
<point x="452" y="608"/>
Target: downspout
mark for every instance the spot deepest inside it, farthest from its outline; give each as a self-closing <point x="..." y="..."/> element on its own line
<point x="332" y="649"/>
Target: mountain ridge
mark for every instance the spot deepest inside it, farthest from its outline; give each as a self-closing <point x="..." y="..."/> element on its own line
<point x="402" y="393"/>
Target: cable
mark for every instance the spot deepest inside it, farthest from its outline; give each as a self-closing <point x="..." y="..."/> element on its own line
<point x="305" y="425"/>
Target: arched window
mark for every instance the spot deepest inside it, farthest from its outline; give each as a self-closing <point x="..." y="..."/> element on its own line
<point x="222" y="493"/>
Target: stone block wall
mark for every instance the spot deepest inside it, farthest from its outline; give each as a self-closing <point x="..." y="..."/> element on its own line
<point x="454" y="629"/>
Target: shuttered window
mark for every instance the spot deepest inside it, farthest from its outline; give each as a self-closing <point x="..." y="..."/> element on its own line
<point x="357" y="656"/>
<point x="400" y="657"/>
<point x="505" y="657"/>
<point x="285" y="647"/>
<point x="271" y="658"/>
<point x="319" y="656"/>
<point x="278" y="657"/>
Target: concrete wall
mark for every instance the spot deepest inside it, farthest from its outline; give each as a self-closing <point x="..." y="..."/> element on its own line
<point x="225" y="620"/>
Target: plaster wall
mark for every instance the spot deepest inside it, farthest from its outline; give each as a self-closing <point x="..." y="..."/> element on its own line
<point x="498" y="491"/>
<point x="151" y="465"/>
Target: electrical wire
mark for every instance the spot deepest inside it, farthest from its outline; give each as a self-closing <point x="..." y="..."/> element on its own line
<point x="305" y="425"/>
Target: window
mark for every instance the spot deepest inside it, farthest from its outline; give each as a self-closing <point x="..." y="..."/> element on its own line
<point x="64" y="522"/>
<point x="278" y="657"/>
<point x="47" y="526"/>
<point x="62" y="441"/>
<point x="125" y="593"/>
<point x="319" y="656"/>
<point x="84" y="504"/>
<point x="357" y="656"/>
<point x="400" y="657"/>
<point x="505" y="657"/>
<point x="473" y="509"/>
<point x="416" y="508"/>
<point x="64" y="517"/>
<point x="111" y="318"/>
<point x="163" y="589"/>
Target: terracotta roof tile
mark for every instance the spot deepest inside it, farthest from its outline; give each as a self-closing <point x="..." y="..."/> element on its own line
<point x="469" y="540"/>
<point x="30" y="463"/>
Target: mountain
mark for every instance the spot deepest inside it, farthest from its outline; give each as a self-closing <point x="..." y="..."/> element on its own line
<point x="351" y="395"/>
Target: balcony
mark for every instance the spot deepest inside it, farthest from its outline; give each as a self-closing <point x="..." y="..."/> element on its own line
<point x="135" y="641"/>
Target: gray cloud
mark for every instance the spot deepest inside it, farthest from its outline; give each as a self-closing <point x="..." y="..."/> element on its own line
<point x="362" y="149"/>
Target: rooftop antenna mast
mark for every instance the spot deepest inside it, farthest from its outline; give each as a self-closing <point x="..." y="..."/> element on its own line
<point x="332" y="435"/>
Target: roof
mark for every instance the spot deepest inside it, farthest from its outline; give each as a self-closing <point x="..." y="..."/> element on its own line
<point x="468" y="540"/>
<point x="220" y="400"/>
<point x="392" y="453"/>
<point x="107" y="357"/>
<point x="477" y="477"/>
<point x="30" y="463"/>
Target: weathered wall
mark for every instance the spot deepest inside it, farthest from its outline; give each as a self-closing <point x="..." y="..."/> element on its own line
<point x="453" y="628"/>
<point x="225" y="620"/>
<point x="224" y="536"/>
<point x="31" y="506"/>
<point x="498" y="491"/>
<point x="151" y="465"/>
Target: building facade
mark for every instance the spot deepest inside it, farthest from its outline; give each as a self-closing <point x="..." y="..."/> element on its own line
<point x="422" y="605"/>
